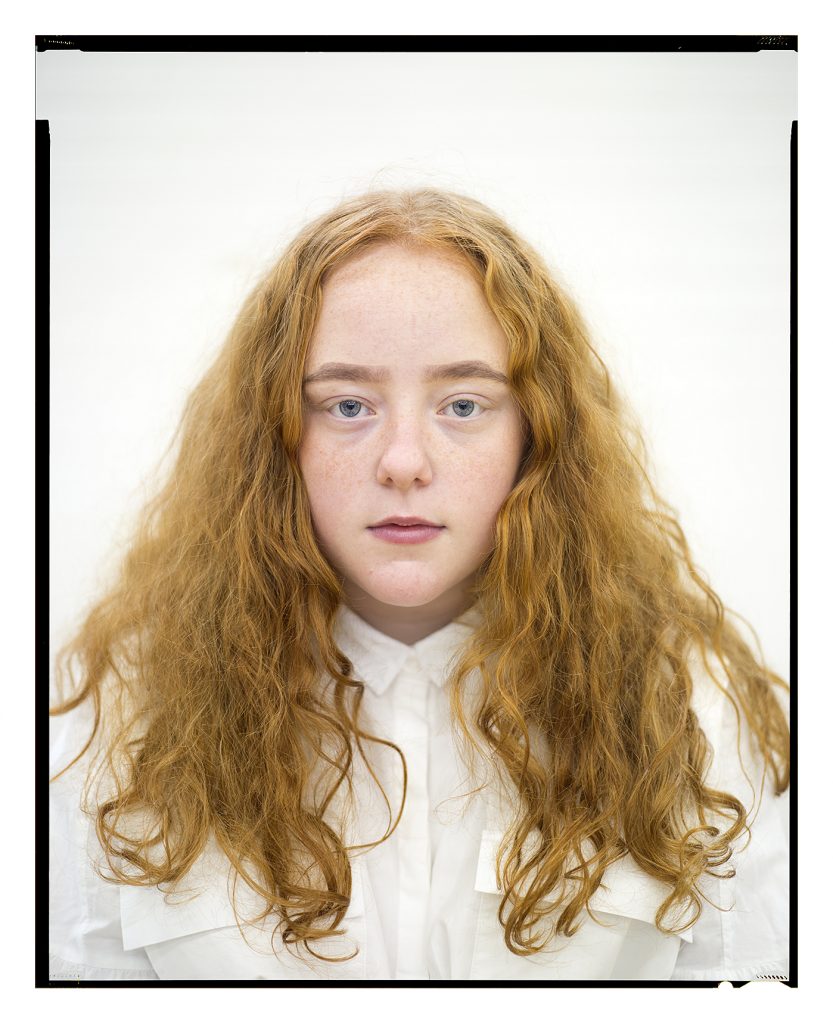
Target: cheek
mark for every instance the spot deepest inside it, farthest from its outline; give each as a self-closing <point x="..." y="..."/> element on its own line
<point x="479" y="488"/>
<point x="497" y="467"/>
<point x="330" y="478"/>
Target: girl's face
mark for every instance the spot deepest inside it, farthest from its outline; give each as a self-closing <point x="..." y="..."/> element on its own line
<point x="404" y="429"/>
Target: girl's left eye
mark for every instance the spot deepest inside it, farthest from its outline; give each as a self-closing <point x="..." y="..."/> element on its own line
<point x="467" y="411"/>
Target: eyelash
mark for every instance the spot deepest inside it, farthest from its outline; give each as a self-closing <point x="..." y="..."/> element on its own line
<point x="461" y="419"/>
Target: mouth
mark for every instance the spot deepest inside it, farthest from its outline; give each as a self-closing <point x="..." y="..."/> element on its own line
<point x="405" y="521"/>
<point x="409" y="533"/>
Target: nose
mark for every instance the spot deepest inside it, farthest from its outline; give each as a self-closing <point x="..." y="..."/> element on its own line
<point x="405" y="459"/>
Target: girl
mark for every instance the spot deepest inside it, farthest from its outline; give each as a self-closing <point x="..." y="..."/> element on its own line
<point x="408" y="673"/>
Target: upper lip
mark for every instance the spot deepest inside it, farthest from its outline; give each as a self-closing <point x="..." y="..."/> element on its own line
<point x="404" y="521"/>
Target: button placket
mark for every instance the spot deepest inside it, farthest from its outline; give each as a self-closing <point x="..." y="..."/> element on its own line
<point x="414" y="839"/>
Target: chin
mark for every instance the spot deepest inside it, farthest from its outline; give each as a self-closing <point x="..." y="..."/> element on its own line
<point x="405" y="597"/>
<point x="405" y="590"/>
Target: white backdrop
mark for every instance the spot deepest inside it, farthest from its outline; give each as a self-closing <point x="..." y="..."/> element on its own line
<point x="657" y="186"/>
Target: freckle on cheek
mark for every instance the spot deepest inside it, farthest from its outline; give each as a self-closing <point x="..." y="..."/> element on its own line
<point x="334" y="466"/>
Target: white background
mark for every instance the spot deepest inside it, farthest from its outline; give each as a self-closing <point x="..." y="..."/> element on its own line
<point x="655" y="184"/>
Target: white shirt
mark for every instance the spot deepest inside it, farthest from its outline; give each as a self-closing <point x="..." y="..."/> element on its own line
<point x="425" y="902"/>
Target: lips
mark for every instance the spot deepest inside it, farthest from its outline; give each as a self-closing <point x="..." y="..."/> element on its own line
<point x="404" y="521"/>
<point x="415" y="533"/>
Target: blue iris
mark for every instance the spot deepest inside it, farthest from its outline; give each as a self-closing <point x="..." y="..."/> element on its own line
<point x="465" y="401"/>
<point x="350" y="401"/>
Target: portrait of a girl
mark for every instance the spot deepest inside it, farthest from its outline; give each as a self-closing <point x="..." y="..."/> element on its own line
<point x="408" y="673"/>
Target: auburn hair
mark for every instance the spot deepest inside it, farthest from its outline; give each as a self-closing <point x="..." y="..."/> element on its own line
<point x="204" y="661"/>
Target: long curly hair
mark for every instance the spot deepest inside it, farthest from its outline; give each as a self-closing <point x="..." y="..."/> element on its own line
<point x="204" y="661"/>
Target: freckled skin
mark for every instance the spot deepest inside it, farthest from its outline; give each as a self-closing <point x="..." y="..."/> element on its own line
<point x="408" y="448"/>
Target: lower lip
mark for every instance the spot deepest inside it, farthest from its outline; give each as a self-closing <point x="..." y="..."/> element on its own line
<point x="406" y="534"/>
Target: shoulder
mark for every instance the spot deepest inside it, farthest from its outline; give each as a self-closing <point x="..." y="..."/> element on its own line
<point x="85" y="923"/>
<point x="743" y="929"/>
<point x="736" y="762"/>
<point x="105" y="930"/>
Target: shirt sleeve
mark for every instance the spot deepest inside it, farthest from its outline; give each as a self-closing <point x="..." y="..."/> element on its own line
<point x="749" y="939"/>
<point x="85" y="939"/>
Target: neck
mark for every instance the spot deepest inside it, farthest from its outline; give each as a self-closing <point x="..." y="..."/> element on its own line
<point x="409" y="624"/>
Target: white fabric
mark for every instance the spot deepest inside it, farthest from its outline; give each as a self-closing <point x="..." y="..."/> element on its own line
<point x="425" y="902"/>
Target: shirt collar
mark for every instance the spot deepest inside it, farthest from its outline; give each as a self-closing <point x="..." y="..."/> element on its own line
<point x="377" y="658"/>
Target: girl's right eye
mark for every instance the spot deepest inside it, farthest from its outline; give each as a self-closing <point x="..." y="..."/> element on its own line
<point x="349" y="406"/>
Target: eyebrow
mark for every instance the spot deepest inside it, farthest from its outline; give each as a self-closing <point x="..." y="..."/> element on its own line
<point x="380" y="374"/>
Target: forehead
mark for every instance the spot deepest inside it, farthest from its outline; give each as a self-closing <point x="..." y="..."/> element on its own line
<point x="394" y="301"/>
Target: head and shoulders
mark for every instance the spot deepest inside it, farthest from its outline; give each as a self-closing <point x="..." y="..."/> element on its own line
<point x="410" y="356"/>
